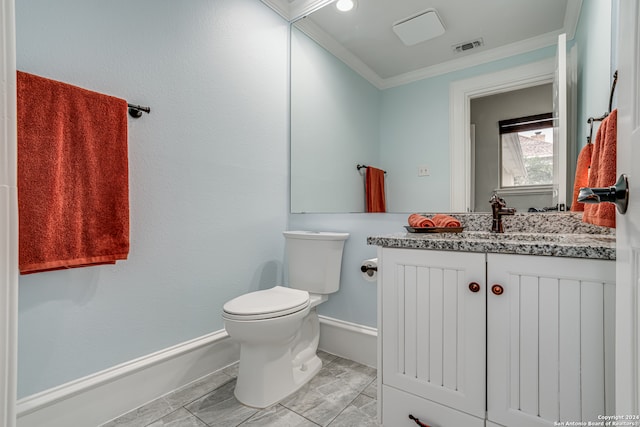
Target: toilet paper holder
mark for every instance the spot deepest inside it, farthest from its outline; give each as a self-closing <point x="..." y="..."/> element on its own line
<point x="369" y="269"/>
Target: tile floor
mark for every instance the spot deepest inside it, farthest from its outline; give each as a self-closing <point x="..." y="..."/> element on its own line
<point x="342" y="394"/>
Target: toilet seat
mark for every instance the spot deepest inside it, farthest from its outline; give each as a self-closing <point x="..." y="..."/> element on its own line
<point x="267" y="304"/>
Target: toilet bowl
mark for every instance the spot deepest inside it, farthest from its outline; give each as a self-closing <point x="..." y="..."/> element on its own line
<point x="278" y="328"/>
<point x="277" y="349"/>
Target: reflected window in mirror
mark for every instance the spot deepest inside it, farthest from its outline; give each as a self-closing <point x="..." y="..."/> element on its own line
<point x="526" y="152"/>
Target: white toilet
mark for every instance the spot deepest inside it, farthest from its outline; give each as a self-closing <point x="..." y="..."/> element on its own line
<point x="278" y="328"/>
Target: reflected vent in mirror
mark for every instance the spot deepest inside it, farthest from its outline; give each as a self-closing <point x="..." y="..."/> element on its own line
<point x="463" y="47"/>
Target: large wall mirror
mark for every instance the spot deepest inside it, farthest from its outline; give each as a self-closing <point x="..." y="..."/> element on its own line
<point x="361" y="95"/>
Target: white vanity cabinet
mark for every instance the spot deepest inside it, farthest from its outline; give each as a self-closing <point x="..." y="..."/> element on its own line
<point x="433" y="337"/>
<point x="455" y="349"/>
<point x="550" y="339"/>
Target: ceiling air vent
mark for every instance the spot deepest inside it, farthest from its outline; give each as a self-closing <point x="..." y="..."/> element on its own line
<point x="463" y="47"/>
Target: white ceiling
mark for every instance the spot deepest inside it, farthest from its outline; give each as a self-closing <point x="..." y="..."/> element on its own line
<point x="364" y="39"/>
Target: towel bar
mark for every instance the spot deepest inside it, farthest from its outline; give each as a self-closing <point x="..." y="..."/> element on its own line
<point x="135" y="111"/>
<point x="364" y="167"/>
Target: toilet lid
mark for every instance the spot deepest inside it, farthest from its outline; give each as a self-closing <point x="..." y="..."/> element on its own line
<point x="274" y="302"/>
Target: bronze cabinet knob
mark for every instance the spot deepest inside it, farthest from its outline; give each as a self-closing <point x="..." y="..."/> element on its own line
<point x="474" y="286"/>
<point x="497" y="289"/>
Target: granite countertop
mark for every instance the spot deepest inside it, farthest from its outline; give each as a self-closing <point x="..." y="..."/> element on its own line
<point x="530" y="234"/>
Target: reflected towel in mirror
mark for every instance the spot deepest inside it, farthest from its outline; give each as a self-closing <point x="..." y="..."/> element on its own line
<point x="582" y="176"/>
<point x="442" y="220"/>
<point x="374" y="189"/>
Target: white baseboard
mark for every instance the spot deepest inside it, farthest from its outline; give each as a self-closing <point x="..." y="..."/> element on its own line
<point x="349" y="340"/>
<point x="100" y="397"/>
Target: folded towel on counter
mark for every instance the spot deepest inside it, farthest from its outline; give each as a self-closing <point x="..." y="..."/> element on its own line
<point x="73" y="194"/>
<point x="442" y="220"/>
<point x="438" y="220"/>
<point x="603" y="172"/>
<point x="582" y="176"/>
<point x="419" y="221"/>
<point x="374" y="188"/>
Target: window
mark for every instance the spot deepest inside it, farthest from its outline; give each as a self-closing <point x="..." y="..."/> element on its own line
<point x="526" y="152"/>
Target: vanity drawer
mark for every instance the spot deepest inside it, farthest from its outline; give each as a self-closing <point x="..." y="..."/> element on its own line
<point x="397" y="405"/>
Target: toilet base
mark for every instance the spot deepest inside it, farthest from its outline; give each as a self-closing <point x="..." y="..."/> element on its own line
<point x="269" y="372"/>
<point x="266" y="377"/>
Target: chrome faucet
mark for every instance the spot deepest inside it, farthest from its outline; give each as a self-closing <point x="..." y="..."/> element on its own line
<point x="498" y="209"/>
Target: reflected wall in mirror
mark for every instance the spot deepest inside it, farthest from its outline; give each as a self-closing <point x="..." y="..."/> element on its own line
<point x="345" y="111"/>
<point x="335" y="115"/>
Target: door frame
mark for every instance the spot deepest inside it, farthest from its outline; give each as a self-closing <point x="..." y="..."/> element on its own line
<point x="8" y="217"/>
<point x="461" y="93"/>
<point x="627" y="346"/>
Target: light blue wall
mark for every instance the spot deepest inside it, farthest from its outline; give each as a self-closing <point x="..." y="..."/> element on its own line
<point x="615" y="19"/>
<point x="334" y="123"/>
<point x="414" y="132"/>
<point x="595" y="44"/>
<point x="208" y="174"/>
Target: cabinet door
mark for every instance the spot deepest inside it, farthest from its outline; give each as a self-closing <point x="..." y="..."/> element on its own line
<point x="433" y="326"/>
<point x="550" y="340"/>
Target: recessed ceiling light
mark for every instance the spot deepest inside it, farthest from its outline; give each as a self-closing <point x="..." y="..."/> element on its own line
<point x="345" y="5"/>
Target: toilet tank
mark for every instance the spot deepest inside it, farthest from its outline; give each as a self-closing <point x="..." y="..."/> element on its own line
<point x="315" y="259"/>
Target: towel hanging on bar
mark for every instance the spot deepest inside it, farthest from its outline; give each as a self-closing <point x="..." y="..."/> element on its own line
<point x="374" y="190"/>
<point x="365" y="167"/>
<point x="136" y="111"/>
<point x="73" y="188"/>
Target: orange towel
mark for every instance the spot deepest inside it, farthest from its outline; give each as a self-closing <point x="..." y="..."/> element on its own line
<point x="603" y="171"/>
<point x="582" y="176"/>
<point x="73" y="196"/>
<point x="419" y="221"/>
<point x="441" y="220"/>
<point x="375" y="190"/>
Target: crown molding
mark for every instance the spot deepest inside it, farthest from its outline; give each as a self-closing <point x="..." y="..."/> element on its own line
<point x="292" y="10"/>
<point x="483" y="57"/>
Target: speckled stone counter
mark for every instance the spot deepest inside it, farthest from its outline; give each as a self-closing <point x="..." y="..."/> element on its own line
<point x="546" y="234"/>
